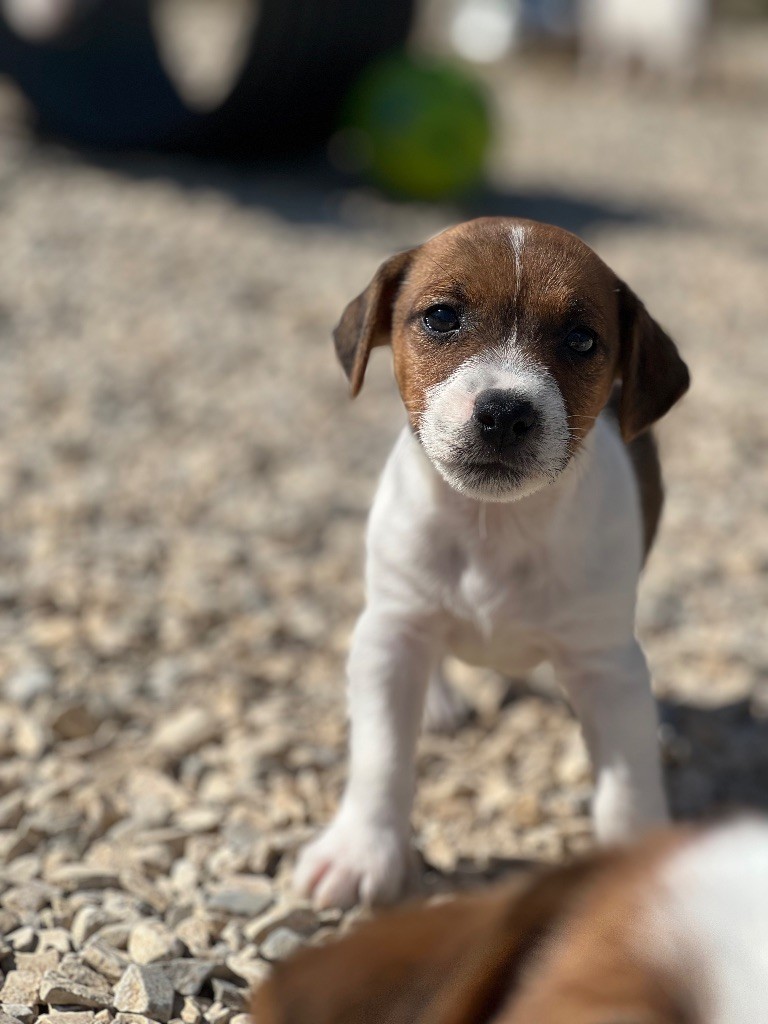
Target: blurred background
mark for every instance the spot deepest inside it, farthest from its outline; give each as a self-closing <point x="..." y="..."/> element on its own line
<point x="190" y="192"/>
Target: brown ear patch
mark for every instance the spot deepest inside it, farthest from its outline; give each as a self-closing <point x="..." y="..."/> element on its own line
<point x="367" y="320"/>
<point x="654" y="376"/>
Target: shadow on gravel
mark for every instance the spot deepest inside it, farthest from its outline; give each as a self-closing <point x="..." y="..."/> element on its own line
<point x="717" y="758"/>
<point x="470" y="874"/>
<point x="314" y="193"/>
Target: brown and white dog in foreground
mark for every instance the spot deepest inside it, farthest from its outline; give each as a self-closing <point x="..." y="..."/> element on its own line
<point x="671" y="931"/>
<point x="511" y="522"/>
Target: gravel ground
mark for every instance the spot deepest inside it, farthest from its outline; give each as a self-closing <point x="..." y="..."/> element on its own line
<point x="184" y="489"/>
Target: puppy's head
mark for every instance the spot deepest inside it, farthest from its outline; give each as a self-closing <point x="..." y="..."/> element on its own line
<point x="508" y="336"/>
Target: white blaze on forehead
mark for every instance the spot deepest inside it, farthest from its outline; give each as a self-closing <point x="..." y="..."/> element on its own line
<point x="707" y="922"/>
<point x="517" y="238"/>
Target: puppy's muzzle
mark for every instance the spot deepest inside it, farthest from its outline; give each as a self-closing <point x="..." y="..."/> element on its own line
<point x="503" y="420"/>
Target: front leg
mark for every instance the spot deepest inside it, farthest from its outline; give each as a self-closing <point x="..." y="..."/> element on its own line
<point x="366" y="854"/>
<point x="611" y="695"/>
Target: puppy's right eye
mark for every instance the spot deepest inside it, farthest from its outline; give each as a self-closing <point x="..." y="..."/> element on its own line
<point x="441" y="319"/>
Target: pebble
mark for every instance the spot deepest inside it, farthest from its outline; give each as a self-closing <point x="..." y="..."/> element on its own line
<point x="145" y="990"/>
<point x="39" y="962"/>
<point x="104" y="959"/>
<point x="27" y="899"/>
<point x="303" y="920"/>
<point x="23" y="939"/>
<point x="195" y="932"/>
<point x="77" y="987"/>
<point x="186" y="731"/>
<point x="11" y="810"/>
<point x="116" y="935"/>
<point x="73" y="1017"/>
<point x="219" y="1014"/>
<point x="187" y="976"/>
<point x="81" y="876"/>
<point x="27" y="683"/>
<point x="230" y="995"/>
<point x="248" y="966"/>
<point x="9" y="922"/>
<point x="280" y="943"/>
<point x="23" y="1014"/>
<point x="239" y="900"/>
<point x="20" y="987"/>
<point x="87" y="921"/>
<point x="57" y="939"/>
<point x="151" y="941"/>
<point x="191" y="1013"/>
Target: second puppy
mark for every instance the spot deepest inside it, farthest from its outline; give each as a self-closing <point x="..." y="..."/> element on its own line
<point x="673" y="930"/>
<point x="511" y="523"/>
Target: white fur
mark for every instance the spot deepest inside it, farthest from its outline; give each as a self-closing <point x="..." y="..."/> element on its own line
<point x="706" y="923"/>
<point x="550" y="577"/>
<point x="517" y="238"/>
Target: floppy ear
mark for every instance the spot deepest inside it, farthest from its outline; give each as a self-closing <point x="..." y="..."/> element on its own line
<point x="653" y="375"/>
<point x="450" y="963"/>
<point x="367" y="320"/>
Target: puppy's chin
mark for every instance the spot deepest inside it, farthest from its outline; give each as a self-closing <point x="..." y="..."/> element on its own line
<point x="497" y="481"/>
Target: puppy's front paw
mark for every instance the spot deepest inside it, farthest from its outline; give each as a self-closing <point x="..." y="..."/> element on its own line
<point x="356" y="862"/>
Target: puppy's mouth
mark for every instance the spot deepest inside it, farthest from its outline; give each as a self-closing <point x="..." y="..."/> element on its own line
<point x="499" y="477"/>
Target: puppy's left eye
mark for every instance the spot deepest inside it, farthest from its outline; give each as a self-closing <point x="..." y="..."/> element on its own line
<point x="441" y="319"/>
<point x="581" y="339"/>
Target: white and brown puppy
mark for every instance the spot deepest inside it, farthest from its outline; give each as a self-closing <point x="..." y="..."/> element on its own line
<point x="672" y="931"/>
<point x="510" y="524"/>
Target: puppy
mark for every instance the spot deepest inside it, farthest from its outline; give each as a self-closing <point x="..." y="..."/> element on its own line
<point x="673" y="931"/>
<point x="510" y="524"/>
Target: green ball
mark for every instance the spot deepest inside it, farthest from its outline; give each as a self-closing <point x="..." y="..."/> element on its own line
<point x="421" y="127"/>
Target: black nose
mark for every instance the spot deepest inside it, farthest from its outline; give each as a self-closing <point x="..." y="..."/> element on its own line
<point x="502" y="417"/>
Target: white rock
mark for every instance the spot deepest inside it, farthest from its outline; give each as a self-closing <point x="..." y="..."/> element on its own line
<point x="151" y="941"/>
<point x="145" y="990"/>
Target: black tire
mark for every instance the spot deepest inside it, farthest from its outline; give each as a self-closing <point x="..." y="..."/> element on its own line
<point x="103" y="84"/>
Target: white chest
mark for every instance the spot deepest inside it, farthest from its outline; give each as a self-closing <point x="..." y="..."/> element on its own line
<point x="514" y="583"/>
<point x="503" y="600"/>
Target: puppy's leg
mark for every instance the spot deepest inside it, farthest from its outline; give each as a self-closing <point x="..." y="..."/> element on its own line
<point x="366" y="854"/>
<point x="445" y="709"/>
<point x="611" y="695"/>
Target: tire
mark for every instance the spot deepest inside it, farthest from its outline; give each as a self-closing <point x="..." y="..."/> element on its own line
<point x="102" y="83"/>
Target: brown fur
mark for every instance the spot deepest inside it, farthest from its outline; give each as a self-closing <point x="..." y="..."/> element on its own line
<point x="644" y="453"/>
<point x="554" y="949"/>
